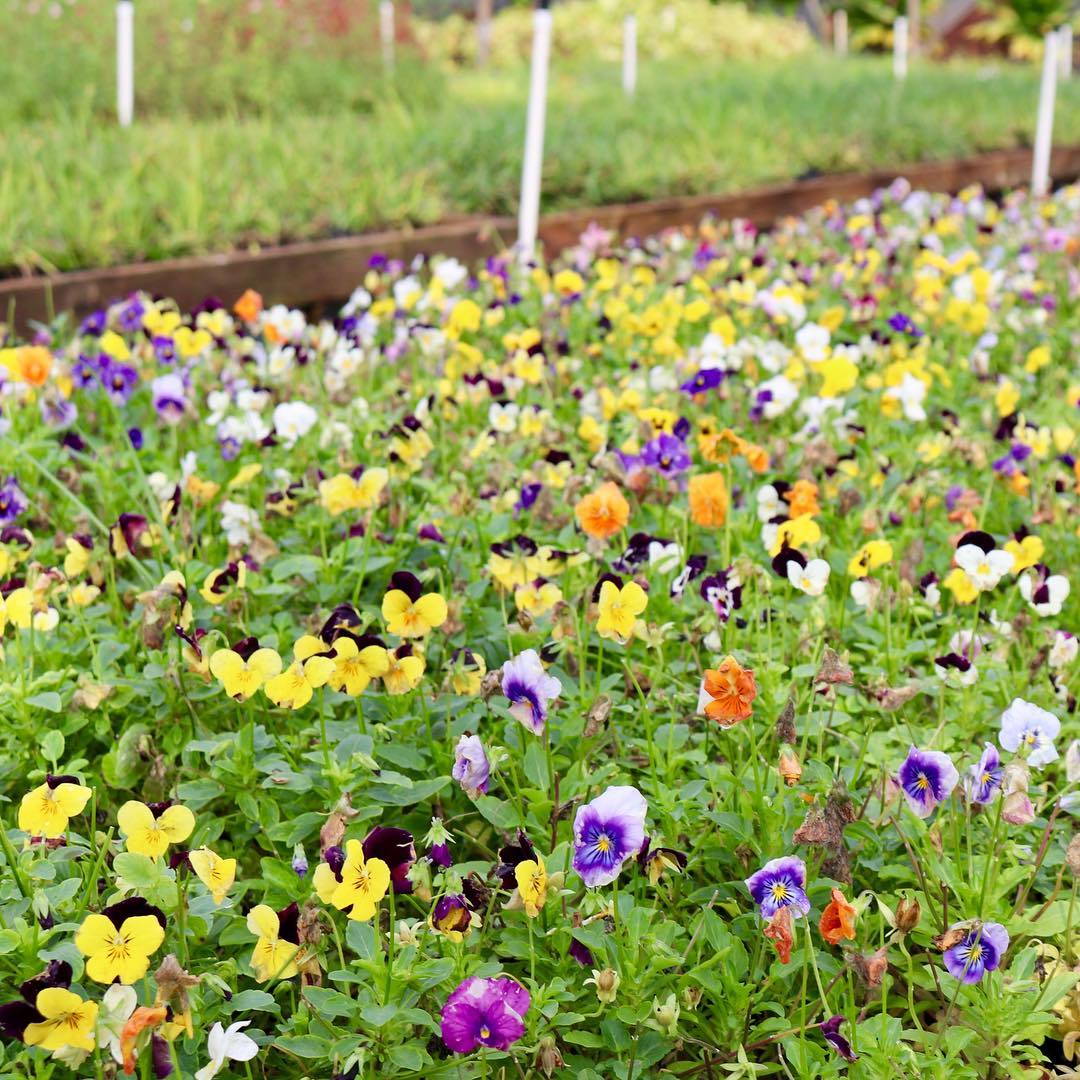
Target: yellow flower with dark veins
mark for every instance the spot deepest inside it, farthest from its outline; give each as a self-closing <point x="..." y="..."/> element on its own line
<point x="216" y="873"/>
<point x="346" y="491"/>
<point x="240" y="677"/>
<point x="275" y="954"/>
<point x="873" y="554"/>
<point x="405" y="671"/>
<point x="408" y="610"/>
<point x="618" y="607"/>
<point x="364" y="883"/>
<point x="150" y="830"/>
<point x="68" y="1021"/>
<point x="119" y="942"/>
<point x="357" y="660"/>
<point x="46" y="810"/>
<point x="532" y="880"/>
<point x="294" y="687"/>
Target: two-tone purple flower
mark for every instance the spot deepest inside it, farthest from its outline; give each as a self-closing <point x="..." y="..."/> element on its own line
<point x="607" y="832"/>
<point x="485" y="1012"/>
<point x="780" y="883"/>
<point x="927" y="777"/>
<point x="529" y="689"/>
<point x="472" y="769"/>
<point x="1026" y="727"/>
<point x="13" y="501"/>
<point x="983" y="782"/>
<point x="980" y="951"/>
<point x="666" y="454"/>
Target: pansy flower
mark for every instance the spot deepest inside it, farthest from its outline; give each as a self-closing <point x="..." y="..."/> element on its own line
<point x="310" y="669"/>
<point x="708" y="497"/>
<point x="982" y="785"/>
<point x="728" y="692"/>
<point x="484" y="1012"/>
<point x="1027" y="729"/>
<point x="603" y="512"/>
<point x="49" y="1015"/>
<point x="983" y="563"/>
<point x="830" y="1030"/>
<point x="242" y="675"/>
<point x="980" y="950"/>
<point x="618" y="607"/>
<point x="608" y="831"/>
<point x="780" y="883"/>
<point x="363" y="883"/>
<point x="1046" y="593"/>
<point x="405" y="670"/>
<point x="657" y="861"/>
<point x="471" y="768"/>
<point x="532" y="885"/>
<point x="149" y="829"/>
<point x="529" y="689"/>
<point x="871" y="556"/>
<point x="837" y="921"/>
<point x="46" y="810"/>
<point x="220" y="584"/>
<point x="358" y="490"/>
<point x="408" y="610"/>
<point x="453" y="916"/>
<point x="927" y="777"/>
<point x="119" y="942"/>
<point x="277" y="943"/>
<point x="216" y="873"/>
<point x="722" y="591"/>
<point x="357" y="660"/>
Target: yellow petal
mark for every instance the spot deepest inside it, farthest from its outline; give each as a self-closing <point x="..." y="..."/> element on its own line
<point x="432" y="609"/>
<point x="178" y="823"/>
<point x="135" y="817"/>
<point x="263" y="922"/>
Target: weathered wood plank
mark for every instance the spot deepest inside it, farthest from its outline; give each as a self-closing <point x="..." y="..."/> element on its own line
<point x="323" y="271"/>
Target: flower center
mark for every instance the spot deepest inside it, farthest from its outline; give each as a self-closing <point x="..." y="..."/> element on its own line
<point x="485" y="1032"/>
<point x="922" y="783"/>
<point x="779" y="891"/>
<point x="603" y="843"/>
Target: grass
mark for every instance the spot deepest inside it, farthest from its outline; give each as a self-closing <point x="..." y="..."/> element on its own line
<point x="76" y="191"/>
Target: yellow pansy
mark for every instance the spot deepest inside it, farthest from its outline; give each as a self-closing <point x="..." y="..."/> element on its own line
<point x="464" y="318"/>
<point x="273" y="956"/>
<point x="839" y="375"/>
<point x="537" y="597"/>
<point x="77" y="558"/>
<point x="1006" y="398"/>
<point x="1037" y="359"/>
<point x="363" y="884"/>
<point x="68" y="1021"/>
<point x="240" y="677"/>
<point x="963" y="589"/>
<point x="1026" y="552"/>
<point x="870" y="556"/>
<point x="46" y="810"/>
<point x="151" y="834"/>
<point x="408" y="611"/>
<point x="405" y="671"/>
<point x="618" y="609"/>
<point x="119" y="952"/>
<point x="310" y="669"/>
<point x="216" y="873"/>
<point x="532" y="879"/>
<point x="344" y="492"/>
<point x="356" y="664"/>
<point x="800" y="532"/>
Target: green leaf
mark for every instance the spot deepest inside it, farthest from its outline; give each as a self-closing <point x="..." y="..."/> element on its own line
<point x="536" y="768"/>
<point x="327" y="1002"/>
<point x="303" y="566"/>
<point x="502" y="815"/>
<point x="253" y="1001"/>
<point x="137" y="871"/>
<point x="50" y="701"/>
<point x="52" y="745"/>
<point x="305" y="1046"/>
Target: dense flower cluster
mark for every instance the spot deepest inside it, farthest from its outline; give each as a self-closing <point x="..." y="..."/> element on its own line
<point x="693" y="615"/>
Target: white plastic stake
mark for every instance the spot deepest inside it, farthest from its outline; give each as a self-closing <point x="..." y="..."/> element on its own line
<point x="1044" y="124"/>
<point x="900" y="47"/>
<point x="1065" y="52"/>
<point x="529" y="207"/>
<point x="125" y="62"/>
<point x="839" y="31"/>
<point x="483" y="32"/>
<point x="629" y="55"/>
<point x="386" y="31"/>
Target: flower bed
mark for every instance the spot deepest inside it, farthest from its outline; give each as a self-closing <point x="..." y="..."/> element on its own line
<point x="658" y="662"/>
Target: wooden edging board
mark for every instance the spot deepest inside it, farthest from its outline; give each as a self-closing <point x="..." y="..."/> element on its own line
<point x="324" y="271"/>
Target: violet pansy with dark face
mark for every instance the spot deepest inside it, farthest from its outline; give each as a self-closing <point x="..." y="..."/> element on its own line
<point x="780" y="883"/>
<point x="927" y="777"/>
<point x="529" y="689"/>
<point x="980" y="951"/>
<point x="607" y="832"/>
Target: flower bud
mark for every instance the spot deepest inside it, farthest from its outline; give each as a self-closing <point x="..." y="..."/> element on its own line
<point x="789" y="766"/>
<point x="666" y="1014"/>
<point x="1072" y="855"/>
<point x="691" y="996"/>
<point x="299" y="861"/>
<point x="548" y="1058"/>
<point x="907" y="914"/>
<point x="606" y="983"/>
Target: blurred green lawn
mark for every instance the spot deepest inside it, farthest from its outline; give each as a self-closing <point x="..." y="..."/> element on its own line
<point x="277" y="143"/>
